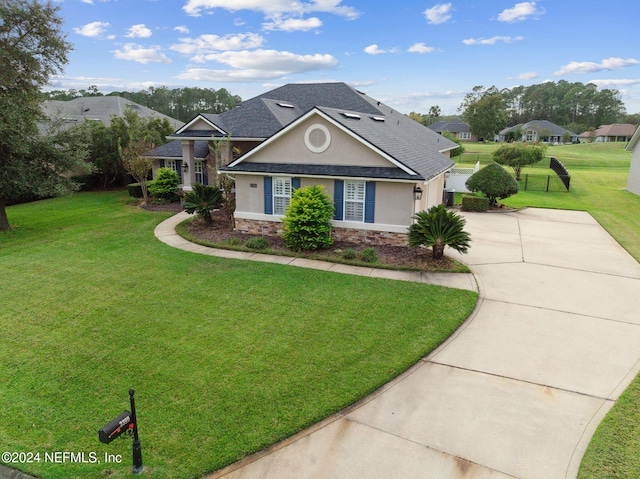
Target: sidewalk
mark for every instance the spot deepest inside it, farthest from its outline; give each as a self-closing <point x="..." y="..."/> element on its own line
<point x="166" y="233"/>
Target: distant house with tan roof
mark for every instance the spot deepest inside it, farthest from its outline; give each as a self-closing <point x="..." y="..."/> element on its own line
<point x="607" y="133"/>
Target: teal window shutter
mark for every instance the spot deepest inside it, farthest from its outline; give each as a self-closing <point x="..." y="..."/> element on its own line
<point x="338" y="199"/>
<point x="179" y="169"/>
<point x="161" y="163"/>
<point x="295" y="183"/>
<point x="370" y="202"/>
<point x="268" y="195"/>
<point x="205" y="176"/>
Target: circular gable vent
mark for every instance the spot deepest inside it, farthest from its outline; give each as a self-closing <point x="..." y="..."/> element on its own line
<point x="317" y="138"/>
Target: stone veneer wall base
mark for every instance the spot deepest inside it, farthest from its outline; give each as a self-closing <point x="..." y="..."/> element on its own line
<point x="351" y="235"/>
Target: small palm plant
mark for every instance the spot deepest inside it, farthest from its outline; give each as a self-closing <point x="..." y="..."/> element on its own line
<point x="202" y="200"/>
<point x="437" y="228"/>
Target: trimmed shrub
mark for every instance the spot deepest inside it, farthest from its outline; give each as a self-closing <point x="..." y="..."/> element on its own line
<point x="518" y="155"/>
<point x="257" y="243"/>
<point x="349" y="253"/>
<point x="494" y="182"/>
<point x="232" y="241"/>
<point x="369" y="255"/>
<point x="164" y="188"/>
<point x="475" y="203"/>
<point x="307" y="220"/>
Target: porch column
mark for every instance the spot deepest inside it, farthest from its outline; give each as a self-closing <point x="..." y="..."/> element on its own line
<point x="188" y="159"/>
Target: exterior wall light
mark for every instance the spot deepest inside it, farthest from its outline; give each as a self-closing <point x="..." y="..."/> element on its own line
<point x="417" y="193"/>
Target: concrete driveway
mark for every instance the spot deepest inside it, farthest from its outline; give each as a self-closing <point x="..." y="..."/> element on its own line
<point x="518" y="391"/>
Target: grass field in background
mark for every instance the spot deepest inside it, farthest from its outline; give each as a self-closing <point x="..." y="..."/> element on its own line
<point x="226" y="357"/>
<point x="599" y="173"/>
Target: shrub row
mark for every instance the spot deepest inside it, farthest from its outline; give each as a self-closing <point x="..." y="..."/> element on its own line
<point x="475" y="203"/>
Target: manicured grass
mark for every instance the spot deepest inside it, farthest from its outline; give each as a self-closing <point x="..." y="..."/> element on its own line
<point x="226" y="356"/>
<point x="599" y="173"/>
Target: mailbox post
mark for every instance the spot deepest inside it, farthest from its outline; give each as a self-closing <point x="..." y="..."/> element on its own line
<point x="137" y="447"/>
<point x="125" y="423"/>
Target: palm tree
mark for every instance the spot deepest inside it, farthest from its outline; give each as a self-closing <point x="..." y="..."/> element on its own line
<point x="437" y="228"/>
<point x="202" y="200"/>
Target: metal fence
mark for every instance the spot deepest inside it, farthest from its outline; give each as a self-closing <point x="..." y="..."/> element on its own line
<point x="560" y="181"/>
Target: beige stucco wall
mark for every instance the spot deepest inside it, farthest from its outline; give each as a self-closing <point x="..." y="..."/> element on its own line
<point x="343" y="150"/>
<point x="394" y="203"/>
<point x="633" y="183"/>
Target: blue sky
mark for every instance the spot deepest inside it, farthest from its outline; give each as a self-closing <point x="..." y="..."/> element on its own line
<point x="410" y="54"/>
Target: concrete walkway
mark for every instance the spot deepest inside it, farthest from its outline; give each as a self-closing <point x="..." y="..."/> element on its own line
<point x="166" y="232"/>
<point x="518" y="390"/>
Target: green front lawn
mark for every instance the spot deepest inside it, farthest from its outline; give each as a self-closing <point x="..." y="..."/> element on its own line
<point x="226" y="356"/>
<point x="599" y="173"/>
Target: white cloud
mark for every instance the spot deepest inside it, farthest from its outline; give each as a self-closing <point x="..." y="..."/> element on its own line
<point x="93" y="29"/>
<point x="527" y="76"/>
<point x="258" y="65"/>
<point x="611" y="63"/>
<point x="438" y="13"/>
<point x="376" y="50"/>
<point x="139" y="31"/>
<point x="272" y="7"/>
<point x="181" y="29"/>
<point x="621" y="82"/>
<point x="492" y="40"/>
<point x="140" y="54"/>
<point x="420" y="48"/>
<point x="205" y="44"/>
<point x="519" y="13"/>
<point x="292" y="24"/>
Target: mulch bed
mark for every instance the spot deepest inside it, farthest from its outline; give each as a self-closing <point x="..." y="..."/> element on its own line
<point x="399" y="256"/>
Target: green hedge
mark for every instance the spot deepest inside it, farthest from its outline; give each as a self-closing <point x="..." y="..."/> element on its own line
<point x="475" y="203"/>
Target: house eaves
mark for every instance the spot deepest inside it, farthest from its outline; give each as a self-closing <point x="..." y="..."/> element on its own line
<point x="634" y="139"/>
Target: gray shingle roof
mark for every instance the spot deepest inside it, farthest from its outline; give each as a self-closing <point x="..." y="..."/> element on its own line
<point x="99" y="108"/>
<point x="454" y="126"/>
<point x="401" y="138"/>
<point x="173" y="149"/>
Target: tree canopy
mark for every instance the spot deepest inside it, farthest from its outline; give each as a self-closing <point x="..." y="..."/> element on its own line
<point x="32" y="48"/>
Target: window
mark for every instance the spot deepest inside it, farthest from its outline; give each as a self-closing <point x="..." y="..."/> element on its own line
<point x="198" y="172"/>
<point x="317" y="138"/>
<point x="171" y="164"/>
<point x="354" y="200"/>
<point x="281" y="194"/>
<point x="464" y="135"/>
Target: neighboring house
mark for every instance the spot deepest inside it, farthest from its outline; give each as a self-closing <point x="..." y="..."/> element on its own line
<point x="99" y="108"/>
<point x="379" y="166"/>
<point x="607" y="133"/>
<point x="537" y="131"/>
<point x="633" y="183"/>
<point x="455" y="126"/>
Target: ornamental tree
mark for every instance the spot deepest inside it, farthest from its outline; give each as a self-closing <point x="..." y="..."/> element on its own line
<point x="439" y="227"/>
<point x="518" y="155"/>
<point x="32" y="48"/>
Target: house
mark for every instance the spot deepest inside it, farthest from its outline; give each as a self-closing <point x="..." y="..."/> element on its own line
<point x="99" y="108"/>
<point x="455" y="126"/>
<point x="633" y="183"/>
<point x="379" y="166"/>
<point x="537" y="131"/>
<point x="607" y="133"/>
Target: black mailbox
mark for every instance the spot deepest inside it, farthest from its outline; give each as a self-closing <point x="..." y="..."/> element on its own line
<point x="116" y="428"/>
